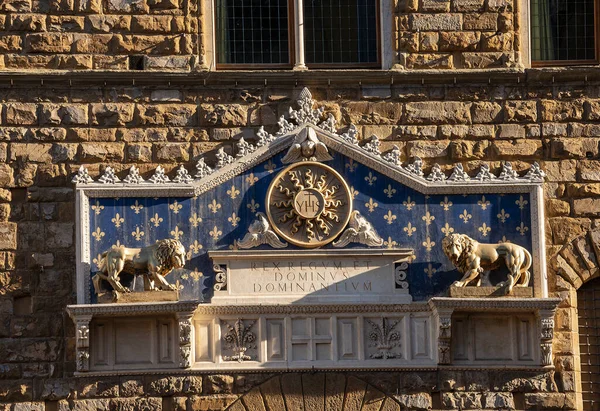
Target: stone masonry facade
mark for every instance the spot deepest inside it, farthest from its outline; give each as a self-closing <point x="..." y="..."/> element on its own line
<point x="61" y="106"/>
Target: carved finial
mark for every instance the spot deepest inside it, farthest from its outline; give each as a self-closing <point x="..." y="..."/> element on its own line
<point x="459" y="174"/>
<point x="351" y="135"/>
<point x="109" y="176"/>
<point x="436" y="173"/>
<point x="134" y="176"/>
<point x="485" y="174"/>
<point x="259" y="232"/>
<point x="304" y="95"/>
<point x="159" y="176"/>
<point x="508" y="174"/>
<point x="416" y="167"/>
<point x="244" y="148"/>
<point x="183" y="177"/>
<point x="393" y="157"/>
<point x="82" y="176"/>
<point x="202" y="169"/>
<point x="535" y="173"/>
<point x="372" y="146"/>
<point x="223" y="158"/>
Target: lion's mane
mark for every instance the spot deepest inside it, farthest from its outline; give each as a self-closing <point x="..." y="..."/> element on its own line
<point x="163" y="251"/>
<point x="462" y="262"/>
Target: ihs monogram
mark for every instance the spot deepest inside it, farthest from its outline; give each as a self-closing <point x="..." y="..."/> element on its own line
<point x="309" y="204"/>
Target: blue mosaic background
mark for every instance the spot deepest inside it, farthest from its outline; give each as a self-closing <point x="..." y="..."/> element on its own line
<point x="403" y="217"/>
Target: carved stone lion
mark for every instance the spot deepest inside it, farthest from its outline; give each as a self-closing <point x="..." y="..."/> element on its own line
<point x="472" y="258"/>
<point x="157" y="260"/>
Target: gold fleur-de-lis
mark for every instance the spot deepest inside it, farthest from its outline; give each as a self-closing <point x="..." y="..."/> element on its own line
<point x="430" y="271"/>
<point x="484" y="229"/>
<point x="483" y="203"/>
<point x="447" y="230"/>
<point x="156" y="220"/>
<point x="175" y="207"/>
<point x="389" y="243"/>
<point x="136" y="207"/>
<point x="234" y="220"/>
<point x="504" y="240"/>
<point x="196" y="274"/>
<point x="233" y="192"/>
<point x="117" y="220"/>
<point x="428" y="218"/>
<point x="522" y="229"/>
<point x="409" y="204"/>
<point x="251" y="179"/>
<point x="214" y="206"/>
<point x="390" y="191"/>
<point x="353" y="192"/>
<point x="215" y="233"/>
<point x="138" y="234"/>
<point x="98" y="234"/>
<point x="446" y="204"/>
<point x="185" y="276"/>
<point x="521" y="202"/>
<point x="176" y="233"/>
<point x="97" y="261"/>
<point x="465" y="216"/>
<point x="409" y="229"/>
<point x="389" y="217"/>
<point x="253" y="206"/>
<point x="117" y="244"/>
<point x="428" y="244"/>
<point x="195" y="247"/>
<point x="97" y="208"/>
<point x="351" y="166"/>
<point x="195" y="220"/>
<point x="371" y="205"/>
<point x="503" y="216"/>
<point x="370" y="178"/>
<point x="270" y="167"/>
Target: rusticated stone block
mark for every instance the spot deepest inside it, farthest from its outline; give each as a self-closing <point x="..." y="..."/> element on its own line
<point x="467" y="5"/>
<point x="565" y="228"/>
<point x="218" y="384"/>
<point x="126" y="6"/>
<point x="172" y="152"/>
<point x="38" y="153"/>
<point x="480" y="21"/>
<point x="500" y="5"/>
<point x="49" y="42"/>
<point x="541" y="401"/>
<point x="556" y="208"/>
<point x="101" y="152"/>
<point x="521" y="111"/>
<point x="66" y="23"/>
<point x="458" y="41"/>
<point x="156" y="45"/>
<point x="21" y="113"/>
<point x="139" y="153"/>
<point x="10" y="44"/>
<point x="429" y="61"/>
<point x="435" y="22"/>
<point x="435" y="5"/>
<point x="167" y="114"/>
<point x="84" y="405"/>
<point x="419" y="401"/>
<point x="131" y="387"/>
<point x="167" y="63"/>
<point x="559" y="111"/>
<point x="486" y="112"/>
<point x="438" y="112"/>
<point x="111" y="114"/>
<point x="57" y="389"/>
<point x="8" y="236"/>
<point x="312" y="386"/>
<point x="429" y="41"/>
<point x="223" y="115"/>
<point x="462" y="400"/>
<point x="497" y="41"/>
<point x="16" y="390"/>
<point x="589" y="170"/>
<point x="517" y="147"/>
<point x="428" y="149"/>
<point x="291" y="386"/>
<point x="19" y="6"/>
<point x="27" y="22"/>
<point x="135" y="404"/>
<point x="498" y="400"/>
<point x="215" y="402"/>
<point x="109" y="23"/>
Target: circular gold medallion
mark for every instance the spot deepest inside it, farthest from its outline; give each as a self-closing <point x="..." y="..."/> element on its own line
<point x="309" y="204"/>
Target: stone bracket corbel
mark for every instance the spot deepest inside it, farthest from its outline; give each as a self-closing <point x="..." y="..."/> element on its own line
<point x="443" y="326"/>
<point x="546" y="323"/>
<point x="82" y="326"/>
<point x="186" y="332"/>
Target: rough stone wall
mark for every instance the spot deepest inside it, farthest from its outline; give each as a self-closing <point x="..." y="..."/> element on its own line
<point x="447" y="34"/>
<point x="47" y="132"/>
<point x="99" y="34"/>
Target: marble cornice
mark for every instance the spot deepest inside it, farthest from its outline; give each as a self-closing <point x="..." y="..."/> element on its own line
<point x="317" y="78"/>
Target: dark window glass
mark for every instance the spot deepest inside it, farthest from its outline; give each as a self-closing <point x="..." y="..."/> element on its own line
<point x="563" y="30"/>
<point x="252" y="32"/>
<point x="340" y="31"/>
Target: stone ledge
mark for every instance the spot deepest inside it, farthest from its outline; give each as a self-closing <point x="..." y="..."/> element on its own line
<point x="497" y="292"/>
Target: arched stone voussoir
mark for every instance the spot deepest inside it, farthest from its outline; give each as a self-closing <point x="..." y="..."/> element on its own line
<point x="318" y="391"/>
<point x="579" y="260"/>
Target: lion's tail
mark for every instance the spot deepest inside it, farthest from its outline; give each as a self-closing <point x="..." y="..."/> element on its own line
<point x="526" y="264"/>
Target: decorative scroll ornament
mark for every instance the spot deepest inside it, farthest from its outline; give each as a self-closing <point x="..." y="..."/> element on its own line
<point x="351" y="136"/>
<point x="436" y="173"/>
<point x="239" y="339"/>
<point x="259" y="233"/>
<point x="372" y="146"/>
<point x="109" y="176"/>
<point x="485" y="174"/>
<point x="393" y="157"/>
<point x="473" y="258"/>
<point x="159" y="176"/>
<point x="183" y="177"/>
<point x="223" y="158"/>
<point x="400" y="275"/>
<point x="308" y="204"/>
<point x="416" y="167"/>
<point x="220" y="277"/>
<point x="82" y="176"/>
<point x="359" y="231"/>
<point x="535" y="173"/>
<point x="384" y="338"/>
<point x="508" y="174"/>
<point x="202" y="169"/>
<point x="459" y="174"/>
<point x="134" y="176"/>
<point x="306" y="146"/>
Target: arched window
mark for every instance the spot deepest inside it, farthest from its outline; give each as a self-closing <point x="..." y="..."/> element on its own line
<point x="588" y="302"/>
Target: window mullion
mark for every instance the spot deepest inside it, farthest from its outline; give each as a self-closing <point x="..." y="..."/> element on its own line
<point x="299" y="35"/>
